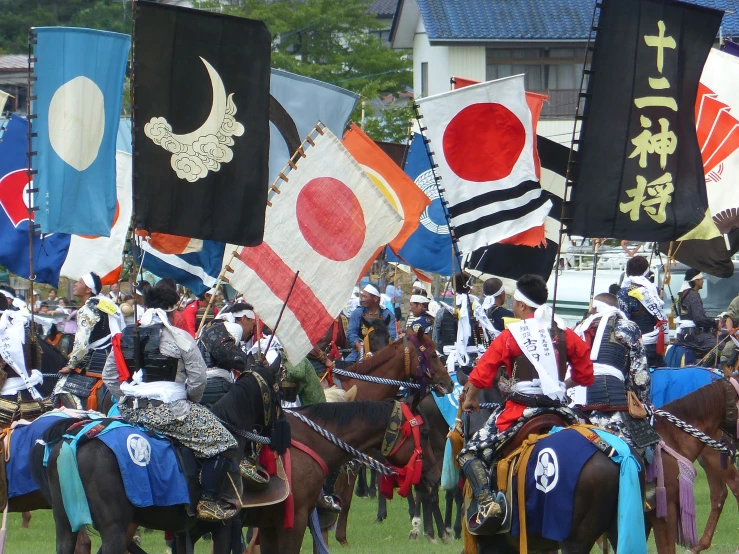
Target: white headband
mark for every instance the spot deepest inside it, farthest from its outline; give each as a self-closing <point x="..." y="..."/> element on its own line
<point x="372" y="290"/>
<point x="699" y="276"/>
<point x="419" y="299"/>
<point x="601" y="306"/>
<point x="231" y="316"/>
<point x="521" y="297"/>
<point x="90" y="282"/>
<point x="497" y="293"/>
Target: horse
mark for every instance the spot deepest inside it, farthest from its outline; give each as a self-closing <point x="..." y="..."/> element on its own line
<point x="100" y="475"/>
<point x="362" y="425"/>
<point x="594" y="514"/>
<point x="389" y="363"/>
<point x="712" y="410"/>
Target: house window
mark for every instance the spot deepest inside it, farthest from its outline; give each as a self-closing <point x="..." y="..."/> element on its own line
<point x="424" y="79"/>
<point x="544" y="68"/>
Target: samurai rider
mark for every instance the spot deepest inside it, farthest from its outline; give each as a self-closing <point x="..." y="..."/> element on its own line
<point x="534" y="354"/>
<point x="98" y="320"/>
<point x="369" y="310"/>
<point x="696" y="327"/>
<point x="622" y="379"/>
<point x="20" y="355"/>
<point x="493" y="302"/>
<point x="163" y="396"/>
<point x="421" y="318"/>
<point x="639" y="300"/>
<point x="220" y="344"/>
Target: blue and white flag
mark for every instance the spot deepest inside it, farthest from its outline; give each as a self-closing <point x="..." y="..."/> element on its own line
<point x="79" y="87"/>
<point x="298" y="103"/>
<point x="429" y="248"/>
<point x="196" y="264"/>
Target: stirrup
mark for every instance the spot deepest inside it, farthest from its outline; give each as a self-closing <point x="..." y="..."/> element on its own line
<point x="328" y="503"/>
<point x="255" y="476"/>
<point x="489" y="517"/>
<point x="215" y="510"/>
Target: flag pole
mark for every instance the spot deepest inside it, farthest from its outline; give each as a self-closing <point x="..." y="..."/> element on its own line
<point x="564" y="215"/>
<point x="221" y="278"/>
<point x="31" y="190"/>
<point x="282" y="310"/>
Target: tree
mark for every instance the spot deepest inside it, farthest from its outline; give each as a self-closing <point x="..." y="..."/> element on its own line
<point x="331" y="40"/>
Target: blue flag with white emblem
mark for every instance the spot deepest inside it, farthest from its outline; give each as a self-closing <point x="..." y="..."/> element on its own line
<point x="79" y="91"/>
<point x="429" y="248"/>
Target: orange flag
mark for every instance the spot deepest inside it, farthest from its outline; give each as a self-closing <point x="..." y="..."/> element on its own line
<point x="399" y="189"/>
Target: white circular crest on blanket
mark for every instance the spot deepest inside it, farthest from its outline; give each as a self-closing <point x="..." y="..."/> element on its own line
<point x="139" y="450"/>
<point x="546" y="473"/>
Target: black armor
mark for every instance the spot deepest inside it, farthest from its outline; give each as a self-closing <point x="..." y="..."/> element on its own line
<point x="219" y="349"/>
<point x="155" y="366"/>
<point x="608" y="390"/>
<point x="643" y="319"/>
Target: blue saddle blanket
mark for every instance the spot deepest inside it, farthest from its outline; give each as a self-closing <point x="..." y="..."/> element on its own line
<point x="551" y="477"/>
<point x="22" y="439"/>
<point x="669" y="384"/>
<point x="151" y="472"/>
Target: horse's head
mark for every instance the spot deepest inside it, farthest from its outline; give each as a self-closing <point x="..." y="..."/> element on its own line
<point x="377" y="335"/>
<point x="428" y="365"/>
<point x="414" y="454"/>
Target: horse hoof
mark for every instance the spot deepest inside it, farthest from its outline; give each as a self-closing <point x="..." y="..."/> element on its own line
<point x="431" y="539"/>
<point x="413" y="535"/>
<point x="379" y="520"/>
<point x="343" y="543"/>
<point x="447" y="538"/>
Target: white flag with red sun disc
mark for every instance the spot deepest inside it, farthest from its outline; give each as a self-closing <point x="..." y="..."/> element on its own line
<point x="327" y="222"/>
<point x="483" y="142"/>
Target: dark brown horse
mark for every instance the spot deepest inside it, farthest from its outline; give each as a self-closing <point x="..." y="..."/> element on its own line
<point x="389" y="363"/>
<point x="363" y="425"/>
<point x="712" y="410"/>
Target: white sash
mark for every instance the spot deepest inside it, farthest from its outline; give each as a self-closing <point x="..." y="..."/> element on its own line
<point x="604" y="316"/>
<point x="12" y="339"/>
<point x="536" y="344"/>
<point x="652" y="303"/>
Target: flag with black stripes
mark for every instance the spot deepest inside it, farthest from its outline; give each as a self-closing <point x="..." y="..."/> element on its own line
<point x="513" y="260"/>
<point x="483" y="141"/>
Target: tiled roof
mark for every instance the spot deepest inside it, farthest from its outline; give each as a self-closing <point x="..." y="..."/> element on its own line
<point x="528" y="19"/>
<point x="13" y="62"/>
<point x="383" y="8"/>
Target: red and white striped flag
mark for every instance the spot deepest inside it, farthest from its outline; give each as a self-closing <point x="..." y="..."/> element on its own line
<point x="327" y="222"/>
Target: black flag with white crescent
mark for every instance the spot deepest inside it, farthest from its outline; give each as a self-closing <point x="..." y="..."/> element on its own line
<point x="201" y="115"/>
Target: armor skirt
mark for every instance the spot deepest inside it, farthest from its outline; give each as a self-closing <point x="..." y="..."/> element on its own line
<point x="196" y="428"/>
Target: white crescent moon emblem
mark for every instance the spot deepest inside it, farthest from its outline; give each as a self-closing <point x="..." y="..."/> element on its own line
<point x="217" y="110"/>
<point x="205" y="149"/>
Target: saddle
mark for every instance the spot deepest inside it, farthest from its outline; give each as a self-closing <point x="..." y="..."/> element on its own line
<point x="538" y="425"/>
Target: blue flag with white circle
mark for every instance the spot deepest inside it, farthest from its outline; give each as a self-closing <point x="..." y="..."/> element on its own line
<point x="79" y="90"/>
<point x="429" y="248"/>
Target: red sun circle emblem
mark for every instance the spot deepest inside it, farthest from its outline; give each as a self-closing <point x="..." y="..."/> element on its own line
<point x="483" y="142"/>
<point x="331" y="218"/>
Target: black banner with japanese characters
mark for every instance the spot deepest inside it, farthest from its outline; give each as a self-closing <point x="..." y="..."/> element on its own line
<point x="640" y="174"/>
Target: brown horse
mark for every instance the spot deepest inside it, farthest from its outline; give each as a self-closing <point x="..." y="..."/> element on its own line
<point x="712" y="410"/>
<point x="362" y="425"/>
<point x="389" y="363"/>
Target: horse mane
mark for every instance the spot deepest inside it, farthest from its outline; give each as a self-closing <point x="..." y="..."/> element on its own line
<point x="699" y="405"/>
<point x="345" y="413"/>
<point x="372" y="362"/>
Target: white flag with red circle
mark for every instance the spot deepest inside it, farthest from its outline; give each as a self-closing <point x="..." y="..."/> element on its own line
<point x="482" y="139"/>
<point x="327" y="222"/>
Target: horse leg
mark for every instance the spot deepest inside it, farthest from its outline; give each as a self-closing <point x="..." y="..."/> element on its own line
<point x="26" y="517"/>
<point x="428" y="516"/>
<point x="344" y="488"/>
<point x="448" y="510"/>
<point x="361" y="490"/>
<point x="710" y="460"/>
<point x="372" y="488"/>
<point x="66" y="539"/>
<point x="444" y="534"/>
<point x="381" y="509"/>
<point x="84" y="544"/>
<point x="414" y="507"/>
<point x="459" y="501"/>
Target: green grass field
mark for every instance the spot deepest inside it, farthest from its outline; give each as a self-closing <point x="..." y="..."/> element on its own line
<point x="365" y="536"/>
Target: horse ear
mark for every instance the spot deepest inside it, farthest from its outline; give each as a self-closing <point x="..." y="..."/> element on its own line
<point x="420" y="333"/>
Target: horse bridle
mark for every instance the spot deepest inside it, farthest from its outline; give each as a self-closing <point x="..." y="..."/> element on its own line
<point x="395" y="437"/>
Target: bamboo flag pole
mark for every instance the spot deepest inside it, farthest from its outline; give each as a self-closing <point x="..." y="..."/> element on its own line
<point x="596" y="247"/>
<point x="221" y="278"/>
